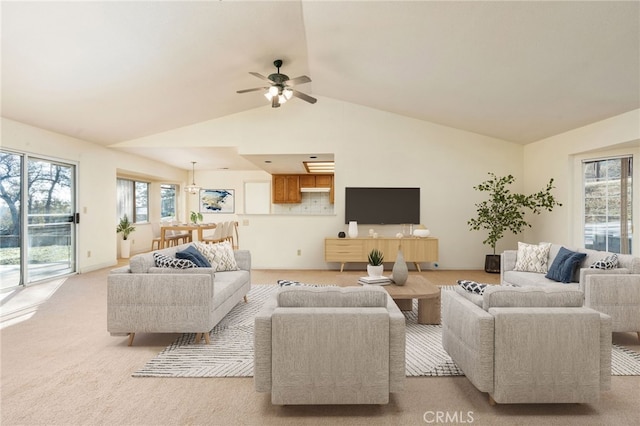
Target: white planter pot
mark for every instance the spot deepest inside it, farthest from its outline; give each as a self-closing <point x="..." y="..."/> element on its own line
<point x="125" y="249"/>
<point x="375" y="271"/>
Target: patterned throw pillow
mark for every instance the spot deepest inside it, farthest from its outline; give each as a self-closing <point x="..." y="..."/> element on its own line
<point x="609" y="262"/>
<point x="532" y="258"/>
<point x="220" y="255"/>
<point x="289" y="283"/>
<point x="169" y="262"/>
<point x="472" y="286"/>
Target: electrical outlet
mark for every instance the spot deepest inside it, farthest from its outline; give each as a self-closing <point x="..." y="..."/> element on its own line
<point x="88" y="253"/>
<point x="245" y="222"/>
<point x="299" y="252"/>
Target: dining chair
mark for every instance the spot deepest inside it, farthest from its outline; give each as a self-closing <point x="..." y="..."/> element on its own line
<point x="155" y="230"/>
<point x="216" y="237"/>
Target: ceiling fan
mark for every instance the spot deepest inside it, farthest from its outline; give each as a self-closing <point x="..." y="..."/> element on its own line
<point x="280" y="90"/>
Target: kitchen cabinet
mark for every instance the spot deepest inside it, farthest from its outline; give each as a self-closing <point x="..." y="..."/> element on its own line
<point x="286" y="189"/>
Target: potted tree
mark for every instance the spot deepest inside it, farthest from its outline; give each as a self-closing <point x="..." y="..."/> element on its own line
<point x="125" y="227"/>
<point x="375" y="266"/>
<point x="504" y="211"/>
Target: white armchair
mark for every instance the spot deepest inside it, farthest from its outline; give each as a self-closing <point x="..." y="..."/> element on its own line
<point x="329" y="345"/>
<point x="528" y="345"/>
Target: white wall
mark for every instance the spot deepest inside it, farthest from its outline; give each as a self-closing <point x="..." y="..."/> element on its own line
<point x="97" y="170"/>
<point x="371" y="148"/>
<point x="560" y="157"/>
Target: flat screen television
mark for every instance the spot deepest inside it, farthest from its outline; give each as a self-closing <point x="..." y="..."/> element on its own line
<point x="382" y="206"/>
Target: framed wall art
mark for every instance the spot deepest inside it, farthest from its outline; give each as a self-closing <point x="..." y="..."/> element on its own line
<point x="217" y="201"/>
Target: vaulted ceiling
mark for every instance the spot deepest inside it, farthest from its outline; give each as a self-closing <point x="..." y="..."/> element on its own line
<point x="108" y="72"/>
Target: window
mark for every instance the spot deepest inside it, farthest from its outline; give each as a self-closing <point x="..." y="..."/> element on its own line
<point x="168" y="201"/>
<point x="133" y="200"/>
<point x="608" y="204"/>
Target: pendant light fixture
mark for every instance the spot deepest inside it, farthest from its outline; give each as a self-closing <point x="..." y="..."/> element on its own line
<point x="193" y="188"/>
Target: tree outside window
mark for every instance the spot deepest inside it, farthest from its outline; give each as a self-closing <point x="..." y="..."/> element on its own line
<point x="133" y="200"/>
<point x="168" y="201"/>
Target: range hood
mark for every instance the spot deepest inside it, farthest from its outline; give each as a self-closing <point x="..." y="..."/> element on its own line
<point x="315" y="189"/>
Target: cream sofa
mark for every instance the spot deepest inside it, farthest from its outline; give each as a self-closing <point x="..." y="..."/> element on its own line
<point x="615" y="292"/>
<point x="329" y="345"/>
<point x="142" y="297"/>
<point x="528" y="345"/>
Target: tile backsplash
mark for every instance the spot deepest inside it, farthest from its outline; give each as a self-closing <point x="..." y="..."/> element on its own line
<point x="312" y="203"/>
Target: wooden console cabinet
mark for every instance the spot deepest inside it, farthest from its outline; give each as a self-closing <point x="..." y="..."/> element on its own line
<point x="416" y="250"/>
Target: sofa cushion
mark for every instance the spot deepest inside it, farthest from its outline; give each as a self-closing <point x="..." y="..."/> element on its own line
<point x="472" y="286"/>
<point x="531" y="297"/>
<point x="220" y="255"/>
<point x="140" y="263"/>
<point x="327" y="297"/>
<point x="607" y="262"/>
<point x="564" y="265"/>
<point x="472" y="297"/>
<point x="171" y="262"/>
<point x="632" y="263"/>
<point x="194" y="255"/>
<point x="527" y="279"/>
<point x="532" y="258"/>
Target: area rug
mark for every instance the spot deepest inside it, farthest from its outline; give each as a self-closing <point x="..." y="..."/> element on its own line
<point x="230" y="353"/>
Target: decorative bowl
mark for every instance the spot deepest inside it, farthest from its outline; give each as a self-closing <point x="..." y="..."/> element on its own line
<point x="421" y="233"/>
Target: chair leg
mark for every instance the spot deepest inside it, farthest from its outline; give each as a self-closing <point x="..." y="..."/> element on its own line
<point x="131" y="336"/>
<point x="245" y="301"/>
<point x="492" y="401"/>
<point x="638" y="336"/>
<point x="207" y="338"/>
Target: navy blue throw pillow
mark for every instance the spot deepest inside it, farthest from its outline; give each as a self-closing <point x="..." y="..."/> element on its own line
<point x="195" y="256"/>
<point x="564" y="265"/>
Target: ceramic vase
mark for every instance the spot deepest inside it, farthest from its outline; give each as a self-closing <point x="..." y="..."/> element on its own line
<point x="400" y="272"/>
<point x="353" y="229"/>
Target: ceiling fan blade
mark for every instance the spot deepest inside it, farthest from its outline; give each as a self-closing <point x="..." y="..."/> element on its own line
<point x="298" y="80"/>
<point x="304" y="96"/>
<point x="255" y="74"/>
<point x="252" y="90"/>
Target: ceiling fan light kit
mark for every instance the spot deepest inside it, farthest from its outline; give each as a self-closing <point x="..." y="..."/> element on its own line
<point x="280" y="90"/>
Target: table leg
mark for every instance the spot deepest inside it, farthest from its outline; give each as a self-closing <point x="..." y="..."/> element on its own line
<point x="429" y="310"/>
<point x="404" y="304"/>
<point x="163" y="233"/>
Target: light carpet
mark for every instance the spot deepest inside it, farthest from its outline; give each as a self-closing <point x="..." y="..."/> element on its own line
<point x="230" y="353"/>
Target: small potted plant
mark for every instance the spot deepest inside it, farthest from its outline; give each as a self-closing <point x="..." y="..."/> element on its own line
<point x="375" y="266"/>
<point x="125" y="227"/>
<point x="195" y="217"/>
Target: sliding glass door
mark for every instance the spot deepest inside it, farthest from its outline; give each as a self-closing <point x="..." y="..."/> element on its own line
<point x="11" y="171"/>
<point x="37" y="219"/>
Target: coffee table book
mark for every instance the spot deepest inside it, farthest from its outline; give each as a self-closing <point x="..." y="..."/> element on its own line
<point x="374" y="280"/>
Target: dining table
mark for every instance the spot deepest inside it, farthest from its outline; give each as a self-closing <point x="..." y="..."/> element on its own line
<point x="191" y="228"/>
